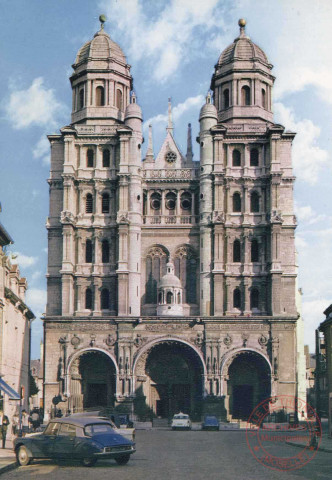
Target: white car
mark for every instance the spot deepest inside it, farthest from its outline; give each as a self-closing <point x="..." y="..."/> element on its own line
<point x="181" y="420"/>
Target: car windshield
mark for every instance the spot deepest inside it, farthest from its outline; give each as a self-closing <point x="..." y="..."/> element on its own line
<point x="97" y="429"/>
<point x="180" y="417"/>
<point x="211" y="419"/>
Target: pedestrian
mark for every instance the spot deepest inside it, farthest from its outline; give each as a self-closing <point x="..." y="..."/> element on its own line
<point x="25" y="423"/>
<point x="4" y="426"/>
<point x="15" y="424"/>
<point x="35" y="419"/>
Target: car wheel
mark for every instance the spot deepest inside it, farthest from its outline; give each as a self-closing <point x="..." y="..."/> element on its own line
<point x="88" y="461"/>
<point x="122" y="460"/>
<point x="22" y="456"/>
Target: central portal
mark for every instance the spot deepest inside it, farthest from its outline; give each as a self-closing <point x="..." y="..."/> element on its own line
<point x="174" y="380"/>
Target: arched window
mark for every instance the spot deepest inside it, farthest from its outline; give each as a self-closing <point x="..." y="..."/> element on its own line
<point x="100" y="96"/>
<point x="179" y="297"/>
<point x="254" y="251"/>
<point x="245" y="95"/>
<point x="170" y="202"/>
<point x="254" y="202"/>
<point x="254" y="157"/>
<point x="226" y="98"/>
<point x="160" y="298"/>
<point x="254" y="298"/>
<point x="81" y="98"/>
<point x="237" y="298"/>
<point x="186" y="266"/>
<point x="119" y="101"/>
<point x="88" y="299"/>
<point x="237" y="251"/>
<point x="89" y="158"/>
<point x="185" y="202"/>
<point x="88" y="251"/>
<point x="263" y="98"/>
<point x="236" y="158"/>
<point x="156" y="260"/>
<point x="236" y="202"/>
<point x="106" y="158"/>
<point x="169" y="298"/>
<point x="155" y="203"/>
<point x="105" y="299"/>
<point x="105" y="251"/>
<point x="89" y="203"/>
<point x="105" y="203"/>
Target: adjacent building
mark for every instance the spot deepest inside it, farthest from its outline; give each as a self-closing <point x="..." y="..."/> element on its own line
<point x="171" y="282"/>
<point x="324" y="367"/>
<point x="15" y="333"/>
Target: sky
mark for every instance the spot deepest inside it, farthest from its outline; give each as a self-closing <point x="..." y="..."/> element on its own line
<point x="172" y="46"/>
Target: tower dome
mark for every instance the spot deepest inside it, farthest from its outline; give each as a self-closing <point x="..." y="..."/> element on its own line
<point x="101" y="81"/>
<point x="170" y="293"/>
<point x="242" y="82"/>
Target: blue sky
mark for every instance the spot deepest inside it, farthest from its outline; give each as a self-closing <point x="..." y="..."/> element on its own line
<point x="172" y="47"/>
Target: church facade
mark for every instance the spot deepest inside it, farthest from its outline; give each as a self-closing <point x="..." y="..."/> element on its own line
<point x="171" y="283"/>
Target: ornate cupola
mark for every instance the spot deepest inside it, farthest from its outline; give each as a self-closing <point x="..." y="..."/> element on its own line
<point x="242" y="82"/>
<point x="101" y="81"/>
<point x="170" y="293"/>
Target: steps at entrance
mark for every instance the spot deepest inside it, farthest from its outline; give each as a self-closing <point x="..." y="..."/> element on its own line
<point x="160" y="422"/>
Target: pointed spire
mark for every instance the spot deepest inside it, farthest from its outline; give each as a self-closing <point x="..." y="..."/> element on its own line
<point x="170" y="122"/>
<point x="149" y="153"/>
<point x="189" y="145"/>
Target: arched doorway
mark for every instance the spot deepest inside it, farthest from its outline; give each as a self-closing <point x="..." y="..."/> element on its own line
<point x="249" y="382"/>
<point x="173" y="379"/>
<point x="92" y="381"/>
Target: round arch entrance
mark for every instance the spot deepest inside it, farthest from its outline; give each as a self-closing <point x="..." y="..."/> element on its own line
<point x="249" y="382"/>
<point x="92" y="382"/>
<point x="171" y="374"/>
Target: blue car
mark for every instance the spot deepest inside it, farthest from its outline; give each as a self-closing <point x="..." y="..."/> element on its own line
<point x="82" y="438"/>
<point x="210" y="423"/>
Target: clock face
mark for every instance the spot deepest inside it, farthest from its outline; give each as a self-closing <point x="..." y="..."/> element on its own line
<point x="170" y="157"/>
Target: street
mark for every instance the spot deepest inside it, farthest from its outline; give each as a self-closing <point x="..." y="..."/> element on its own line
<point x="193" y="455"/>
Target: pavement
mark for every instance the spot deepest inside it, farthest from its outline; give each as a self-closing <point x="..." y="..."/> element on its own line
<point x="324" y="443"/>
<point x="7" y="457"/>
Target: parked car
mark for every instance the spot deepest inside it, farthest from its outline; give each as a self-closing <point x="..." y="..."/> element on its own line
<point x="181" y="421"/>
<point x="120" y="422"/>
<point x="210" y="423"/>
<point x="83" y="438"/>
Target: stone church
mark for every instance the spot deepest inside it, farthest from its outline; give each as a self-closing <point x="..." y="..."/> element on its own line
<point x="171" y="282"/>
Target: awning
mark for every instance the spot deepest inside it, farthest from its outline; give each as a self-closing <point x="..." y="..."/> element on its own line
<point x="4" y="387"/>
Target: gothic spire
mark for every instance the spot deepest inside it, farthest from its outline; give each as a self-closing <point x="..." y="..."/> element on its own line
<point x="149" y="153"/>
<point x="189" y="145"/>
<point x="170" y="122"/>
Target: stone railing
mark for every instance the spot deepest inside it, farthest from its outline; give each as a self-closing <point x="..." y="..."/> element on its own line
<point x="172" y="173"/>
<point x="170" y="219"/>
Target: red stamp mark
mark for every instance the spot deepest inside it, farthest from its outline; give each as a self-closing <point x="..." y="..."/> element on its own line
<point x="274" y="423"/>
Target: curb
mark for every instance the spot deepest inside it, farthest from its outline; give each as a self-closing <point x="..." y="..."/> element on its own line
<point x="7" y="468"/>
<point x="321" y="449"/>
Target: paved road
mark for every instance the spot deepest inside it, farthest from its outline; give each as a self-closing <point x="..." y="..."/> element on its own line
<point x="167" y="455"/>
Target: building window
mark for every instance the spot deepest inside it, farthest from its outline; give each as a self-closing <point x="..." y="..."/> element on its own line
<point x="236" y="251"/>
<point x="169" y="298"/>
<point x="254" y="202"/>
<point x="236" y="202"/>
<point x="254" y="298"/>
<point x="254" y="251"/>
<point x="170" y="202"/>
<point x="119" y="101"/>
<point x="186" y="202"/>
<point x="155" y="202"/>
<point x="81" y="99"/>
<point x="100" y="96"/>
<point x="155" y="269"/>
<point x="105" y="251"/>
<point x="254" y="157"/>
<point x="89" y="158"/>
<point x="89" y="203"/>
<point x="236" y="158"/>
<point x="105" y="299"/>
<point x="106" y="158"/>
<point x="237" y="298"/>
<point x="226" y="98"/>
<point x="105" y="203"/>
<point x="245" y="95"/>
<point x="88" y="251"/>
<point x="263" y="98"/>
<point x="88" y="299"/>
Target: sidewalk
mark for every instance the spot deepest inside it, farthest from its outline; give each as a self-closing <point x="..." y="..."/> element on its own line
<point x="325" y="443"/>
<point x="7" y="457"/>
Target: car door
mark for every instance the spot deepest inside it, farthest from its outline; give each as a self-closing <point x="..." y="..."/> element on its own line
<point x="65" y="441"/>
<point x="44" y="443"/>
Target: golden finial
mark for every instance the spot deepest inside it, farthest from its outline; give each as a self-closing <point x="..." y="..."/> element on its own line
<point x="242" y="24"/>
<point x="102" y="20"/>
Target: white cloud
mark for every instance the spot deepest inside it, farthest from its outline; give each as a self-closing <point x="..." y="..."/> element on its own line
<point x="36" y="106"/>
<point x="36" y="299"/>
<point x="300" y="242"/>
<point x="308" y="157"/>
<point x="166" y="39"/>
<point x="306" y="215"/>
<point x="42" y="150"/>
<point x="36" y="275"/>
<point x="22" y="260"/>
